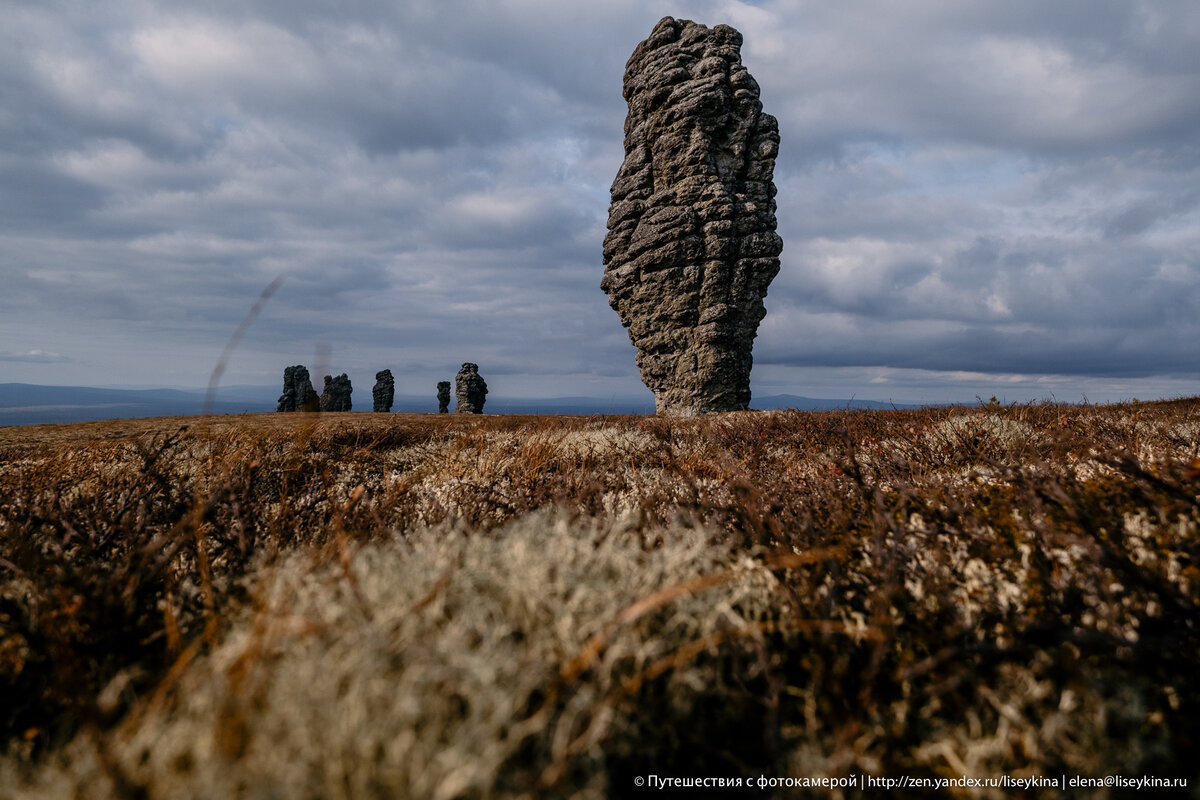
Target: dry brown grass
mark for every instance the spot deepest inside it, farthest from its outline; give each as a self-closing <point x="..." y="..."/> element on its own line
<point x="439" y="605"/>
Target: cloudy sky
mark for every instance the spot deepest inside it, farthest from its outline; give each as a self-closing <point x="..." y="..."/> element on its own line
<point x="993" y="198"/>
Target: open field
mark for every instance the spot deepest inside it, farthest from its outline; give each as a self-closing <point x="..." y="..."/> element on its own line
<point x="439" y="606"/>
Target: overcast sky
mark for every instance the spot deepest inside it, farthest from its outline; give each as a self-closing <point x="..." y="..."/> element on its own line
<point x="994" y="198"/>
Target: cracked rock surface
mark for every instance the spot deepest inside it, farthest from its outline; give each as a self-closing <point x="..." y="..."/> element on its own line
<point x="691" y="244"/>
<point x="384" y="392"/>
<point x="336" y="396"/>
<point x="470" y="390"/>
<point x="298" y="392"/>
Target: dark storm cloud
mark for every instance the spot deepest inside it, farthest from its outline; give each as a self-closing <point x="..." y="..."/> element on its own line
<point x="1002" y="188"/>
<point x="985" y="188"/>
<point x="1085" y="351"/>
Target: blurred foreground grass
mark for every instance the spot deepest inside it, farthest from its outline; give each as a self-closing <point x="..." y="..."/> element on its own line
<point x="370" y="605"/>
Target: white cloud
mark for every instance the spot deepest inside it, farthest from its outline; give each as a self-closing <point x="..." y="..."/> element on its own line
<point x="198" y="55"/>
<point x="34" y="357"/>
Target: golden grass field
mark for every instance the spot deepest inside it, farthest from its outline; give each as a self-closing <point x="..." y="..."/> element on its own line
<point x="442" y="606"/>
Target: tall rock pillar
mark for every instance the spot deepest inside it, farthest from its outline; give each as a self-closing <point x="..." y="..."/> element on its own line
<point x="691" y="244"/>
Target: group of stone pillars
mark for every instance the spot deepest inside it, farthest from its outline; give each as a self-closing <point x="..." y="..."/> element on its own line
<point x="299" y="395"/>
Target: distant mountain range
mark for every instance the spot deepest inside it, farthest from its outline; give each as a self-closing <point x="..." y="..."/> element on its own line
<point x="31" y="404"/>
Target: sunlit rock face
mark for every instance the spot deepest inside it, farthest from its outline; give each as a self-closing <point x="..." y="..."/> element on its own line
<point x="691" y="244"/>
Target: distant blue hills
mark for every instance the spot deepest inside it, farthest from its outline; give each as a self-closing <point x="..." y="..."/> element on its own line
<point x="31" y="404"/>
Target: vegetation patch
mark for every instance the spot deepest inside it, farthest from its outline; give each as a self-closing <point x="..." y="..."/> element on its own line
<point x="353" y="605"/>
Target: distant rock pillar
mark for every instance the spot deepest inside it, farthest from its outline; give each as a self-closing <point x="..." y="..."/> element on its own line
<point x="443" y="397"/>
<point x="384" y="392"/>
<point x="298" y="392"/>
<point x="470" y="390"/>
<point x="336" y="396"/>
<point x="287" y="400"/>
<point x="691" y="243"/>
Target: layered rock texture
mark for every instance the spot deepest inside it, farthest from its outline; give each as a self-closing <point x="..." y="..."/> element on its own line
<point x="691" y="243"/>
<point x="443" y="396"/>
<point x="336" y="396"/>
<point x="298" y="392"/>
<point x="470" y="390"/>
<point x="384" y="392"/>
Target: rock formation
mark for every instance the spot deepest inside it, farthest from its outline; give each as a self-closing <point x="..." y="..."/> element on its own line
<point x="384" y="392"/>
<point x="298" y="392"/>
<point x="691" y="243"/>
<point x="470" y="390"/>
<point x="443" y="396"/>
<point x="336" y="396"/>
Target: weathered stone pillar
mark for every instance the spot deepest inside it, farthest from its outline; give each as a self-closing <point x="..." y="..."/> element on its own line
<point x="336" y="396"/>
<point x="384" y="391"/>
<point x="691" y="244"/>
<point x="298" y="392"/>
<point x="470" y="390"/>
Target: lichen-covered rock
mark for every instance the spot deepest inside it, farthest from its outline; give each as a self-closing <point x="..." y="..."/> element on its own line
<point x="470" y="390"/>
<point x="443" y="396"/>
<point x="691" y="244"/>
<point x="336" y="396"/>
<point x="384" y="391"/>
<point x="298" y="392"/>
